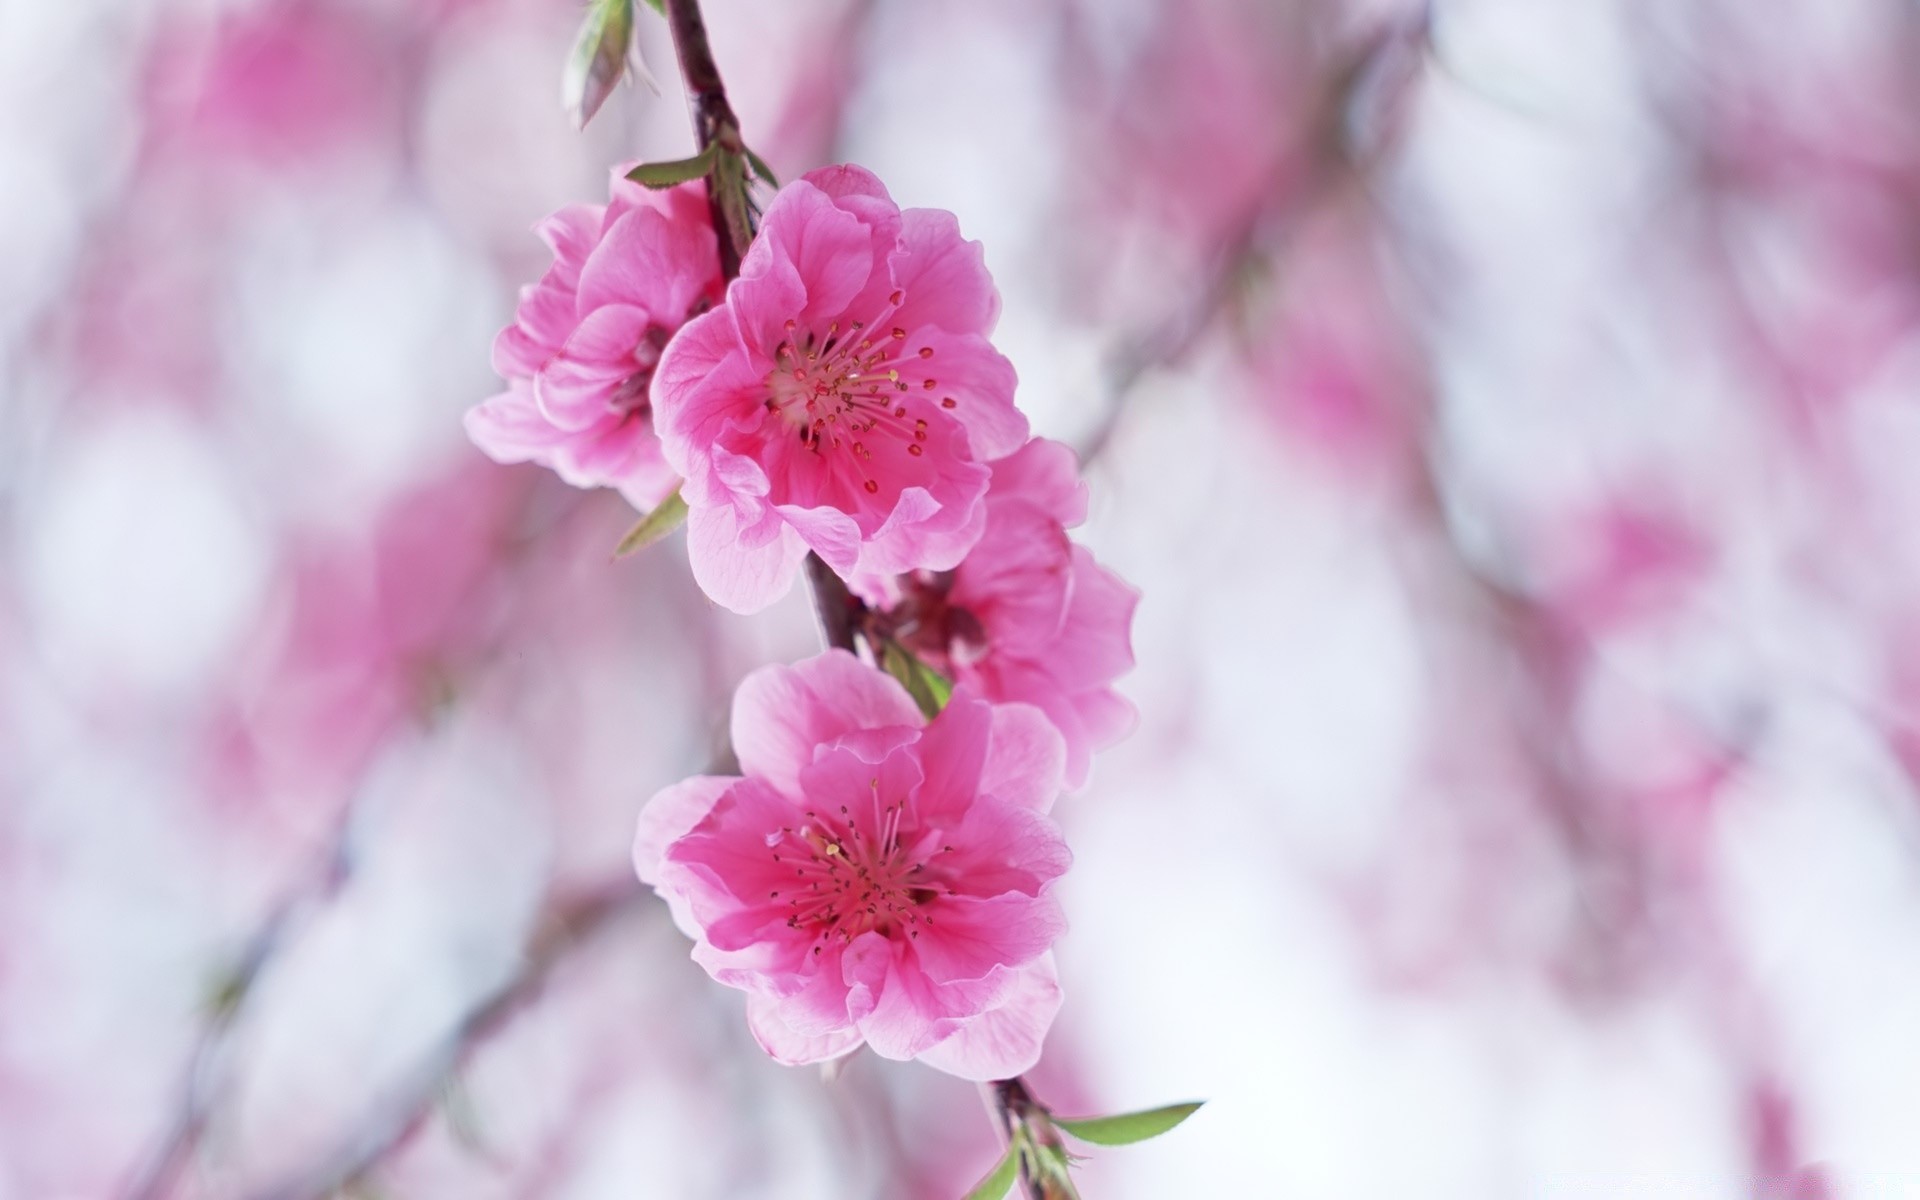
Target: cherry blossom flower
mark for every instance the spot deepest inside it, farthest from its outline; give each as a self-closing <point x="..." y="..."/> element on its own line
<point x="843" y="399"/>
<point x="1028" y="616"/>
<point x="582" y="350"/>
<point x="874" y="877"/>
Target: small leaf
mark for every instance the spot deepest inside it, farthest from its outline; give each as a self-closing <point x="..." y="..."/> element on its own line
<point x="1127" y="1128"/>
<point x="929" y="688"/>
<point x="761" y="168"/>
<point x="680" y="170"/>
<point x="657" y="524"/>
<point x="598" y="60"/>
<point x="998" y="1180"/>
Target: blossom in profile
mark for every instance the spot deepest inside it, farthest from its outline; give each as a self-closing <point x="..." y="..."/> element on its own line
<point x="1029" y="616"/>
<point x="872" y="877"/>
<point x="843" y="399"/>
<point x="585" y="341"/>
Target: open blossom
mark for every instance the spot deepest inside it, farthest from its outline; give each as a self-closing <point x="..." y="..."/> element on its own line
<point x="843" y="399"/>
<point x="874" y="877"/>
<point x="584" y="343"/>
<point x="1029" y="616"/>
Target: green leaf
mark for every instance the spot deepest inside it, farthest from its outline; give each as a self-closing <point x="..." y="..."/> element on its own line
<point x="598" y="60"/>
<point x="654" y="526"/>
<point x="928" y="687"/>
<point x="659" y="6"/>
<point x="1128" y="1128"/>
<point x="680" y="170"/>
<point x="998" y="1180"/>
<point x="761" y="168"/>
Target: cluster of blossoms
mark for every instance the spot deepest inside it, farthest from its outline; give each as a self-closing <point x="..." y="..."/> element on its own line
<point x="874" y="875"/>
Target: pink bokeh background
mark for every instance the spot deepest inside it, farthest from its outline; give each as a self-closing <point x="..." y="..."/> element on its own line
<point x="1507" y="411"/>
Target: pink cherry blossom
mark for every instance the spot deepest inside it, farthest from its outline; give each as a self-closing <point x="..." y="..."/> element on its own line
<point x="1028" y="616"/>
<point x="873" y="877"/>
<point x="843" y="399"/>
<point x="583" y="346"/>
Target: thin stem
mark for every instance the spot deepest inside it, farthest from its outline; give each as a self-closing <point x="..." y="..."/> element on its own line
<point x="1016" y="1108"/>
<point x="837" y="609"/>
<point x="713" y="121"/>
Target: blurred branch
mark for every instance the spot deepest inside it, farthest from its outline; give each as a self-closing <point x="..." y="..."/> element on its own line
<point x="200" y="1087"/>
<point x="1261" y="233"/>
<point x="565" y="928"/>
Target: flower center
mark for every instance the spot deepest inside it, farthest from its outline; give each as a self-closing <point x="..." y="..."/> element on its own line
<point x="631" y="396"/>
<point x="847" y="880"/>
<point x="840" y="393"/>
<point x="928" y="622"/>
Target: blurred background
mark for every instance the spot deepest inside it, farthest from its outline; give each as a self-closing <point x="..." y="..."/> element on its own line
<point x="1509" y="412"/>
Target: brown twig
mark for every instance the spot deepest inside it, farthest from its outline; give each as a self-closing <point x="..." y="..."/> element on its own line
<point x="713" y="122"/>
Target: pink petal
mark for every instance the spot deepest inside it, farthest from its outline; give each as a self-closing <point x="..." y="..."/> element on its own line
<point x="1044" y="473"/>
<point x="966" y="369"/>
<point x="782" y="713"/>
<point x="743" y="570"/>
<point x="645" y="260"/>
<point x="623" y="454"/>
<point x="925" y="533"/>
<point x="574" y="387"/>
<point x="828" y="532"/>
<point x="1006" y="1040"/>
<point x="767" y="1018"/>
<point x="1018" y="580"/>
<point x="570" y="233"/>
<point x="1026" y="758"/>
<point x="1098" y="635"/>
<point x="943" y="275"/>
<point x="952" y="751"/>
<point x="1000" y="848"/>
<point x="541" y="323"/>
<point x="509" y="428"/>
<point x="670" y="816"/>
<point x="844" y="181"/>
<point x="698" y="388"/>
<point x="906" y="1018"/>
<point x="972" y="937"/>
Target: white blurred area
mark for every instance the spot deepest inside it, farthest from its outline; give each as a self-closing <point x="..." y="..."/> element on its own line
<point x="1508" y="412"/>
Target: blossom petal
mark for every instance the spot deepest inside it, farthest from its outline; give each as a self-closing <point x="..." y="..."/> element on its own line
<point x="509" y="428"/>
<point x="965" y="368"/>
<point x="768" y="1018"/>
<point x="698" y="387"/>
<point x="575" y="386"/>
<point x="733" y="573"/>
<point x="666" y="818"/>
<point x="1006" y="1040"/>
<point x="1044" y="473"/>
<point x="1026" y="758"/>
<point x="645" y="260"/>
<point x="952" y="752"/>
<point x="943" y="275"/>
<point x="905" y="1019"/>
<point x="781" y="714"/>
